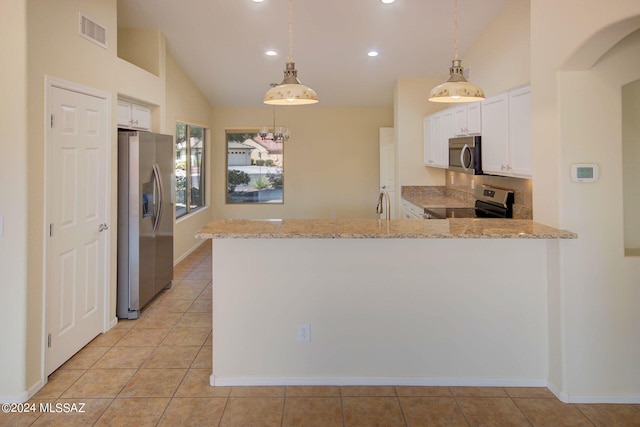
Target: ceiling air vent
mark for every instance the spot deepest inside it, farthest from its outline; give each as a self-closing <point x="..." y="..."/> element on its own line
<point x="92" y="31"/>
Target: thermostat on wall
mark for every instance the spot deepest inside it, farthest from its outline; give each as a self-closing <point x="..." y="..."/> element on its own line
<point x="584" y="172"/>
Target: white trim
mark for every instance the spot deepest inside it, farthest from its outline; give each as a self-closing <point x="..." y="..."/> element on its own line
<point x="375" y="381"/>
<point x="49" y="83"/>
<point x="17" y="398"/>
<point x="593" y="398"/>
<point x="190" y="214"/>
<point x="113" y="323"/>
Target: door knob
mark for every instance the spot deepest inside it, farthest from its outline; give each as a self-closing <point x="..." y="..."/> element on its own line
<point x="102" y="227"/>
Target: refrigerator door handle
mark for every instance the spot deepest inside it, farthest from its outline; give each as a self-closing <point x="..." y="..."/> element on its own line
<point x="157" y="181"/>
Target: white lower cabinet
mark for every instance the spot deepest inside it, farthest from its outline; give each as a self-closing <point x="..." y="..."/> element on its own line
<point x="506" y="134"/>
<point x="411" y="211"/>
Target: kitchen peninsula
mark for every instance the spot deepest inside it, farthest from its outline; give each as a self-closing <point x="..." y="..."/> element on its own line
<point x="363" y="302"/>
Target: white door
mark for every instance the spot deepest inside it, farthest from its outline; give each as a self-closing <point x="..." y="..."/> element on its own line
<point x="77" y="206"/>
<point x="388" y="168"/>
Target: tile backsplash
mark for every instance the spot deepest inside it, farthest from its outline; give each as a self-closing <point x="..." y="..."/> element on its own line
<point x="522" y="189"/>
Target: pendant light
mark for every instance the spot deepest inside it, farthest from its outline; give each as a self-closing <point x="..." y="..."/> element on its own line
<point x="290" y="91"/>
<point x="456" y="88"/>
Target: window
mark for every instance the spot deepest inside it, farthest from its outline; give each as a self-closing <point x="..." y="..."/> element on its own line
<point x="190" y="168"/>
<point x="254" y="168"/>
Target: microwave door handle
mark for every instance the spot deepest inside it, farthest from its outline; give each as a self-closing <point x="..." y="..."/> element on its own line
<point x="462" y="163"/>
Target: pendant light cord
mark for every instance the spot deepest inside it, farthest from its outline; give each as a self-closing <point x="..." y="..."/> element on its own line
<point x="455" y="28"/>
<point x="291" y="30"/>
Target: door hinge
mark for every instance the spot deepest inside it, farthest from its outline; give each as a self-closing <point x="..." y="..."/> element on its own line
<point x="51" y="230"/>
<point x="52" y="121"/>
<point x="49" y="340"/>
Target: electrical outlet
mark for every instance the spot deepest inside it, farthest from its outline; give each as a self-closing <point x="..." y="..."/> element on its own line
<point x="453" y="179"/>
<point x="473" y="184"/>
<point x="333" y="215"/>
<point x="304" y="332"/>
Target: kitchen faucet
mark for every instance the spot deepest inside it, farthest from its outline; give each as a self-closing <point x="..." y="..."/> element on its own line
<point x="385" y="195"/>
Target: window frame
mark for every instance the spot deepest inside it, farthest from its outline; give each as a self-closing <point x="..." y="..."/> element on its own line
<point x="185" y="155"/>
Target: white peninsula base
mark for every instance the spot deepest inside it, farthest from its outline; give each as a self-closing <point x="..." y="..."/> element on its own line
<point x="381" y="311"/>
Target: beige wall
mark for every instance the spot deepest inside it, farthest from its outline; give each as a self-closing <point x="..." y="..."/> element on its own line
<point x="55" y="49"/>
<point x="331" y="162"/>
<point x="186" y="104"/>
<point x="13" y="197"/>
<point x="576" y="119"/>
<point x="410" y="107"/>
<point x="500" y="58"/>
<point x="39" y="38"/>
<point x="630" y="161"/>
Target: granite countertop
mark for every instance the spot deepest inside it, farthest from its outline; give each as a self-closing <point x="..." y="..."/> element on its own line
<point x="458" y="228"/>
<point x="437" y="197"/>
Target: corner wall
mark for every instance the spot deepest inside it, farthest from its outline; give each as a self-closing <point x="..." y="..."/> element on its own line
<point x="185" y="103"/>
<point x="594" y="345"/>
<point x="13" y="199"/>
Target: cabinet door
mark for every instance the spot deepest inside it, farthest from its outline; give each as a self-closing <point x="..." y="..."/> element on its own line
<point x="520" y="132"/>
<point x="434" y="154"/>
<point x="460" y="120"/>
<point x="495" y="134"/>
<point x="474" y="118"/>
<point x="428" y="143"/>
<point x="124" y="113"/>
<point x="447" y="132"/>
<point x="436" y="137"/>
<point x="140" y="116"/>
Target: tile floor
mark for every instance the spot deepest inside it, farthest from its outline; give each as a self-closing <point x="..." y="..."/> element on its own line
<point x="155" y="371"/>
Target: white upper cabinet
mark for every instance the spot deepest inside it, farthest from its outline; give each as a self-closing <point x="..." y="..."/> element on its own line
<point x="132" y="115"/>
<point x="506" y="133"/>
<point x="495" y="134"/>
<point x="467" y="119"/>
<point x="520" y="157"/>
<point x="437" y="131"/>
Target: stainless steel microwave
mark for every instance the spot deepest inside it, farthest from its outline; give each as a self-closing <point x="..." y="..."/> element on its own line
<point x="465" y="155"/>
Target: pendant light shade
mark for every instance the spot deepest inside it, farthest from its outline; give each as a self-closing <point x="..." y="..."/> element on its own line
<point x="456" y="88"/>
<point x="290" y="91"/>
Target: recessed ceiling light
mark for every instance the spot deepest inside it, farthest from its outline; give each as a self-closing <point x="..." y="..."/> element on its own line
<point x="270" y="52"/>
<point x="373" y="52"/>
<point x="383" y="1"/>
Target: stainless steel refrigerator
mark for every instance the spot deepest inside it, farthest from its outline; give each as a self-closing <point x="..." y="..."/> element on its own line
<point x="145" y="219"/>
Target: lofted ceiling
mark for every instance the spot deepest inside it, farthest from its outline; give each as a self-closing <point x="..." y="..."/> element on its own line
<point x="221" y="44"/>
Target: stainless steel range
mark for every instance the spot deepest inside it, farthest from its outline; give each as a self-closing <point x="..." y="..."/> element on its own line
<point x="490" y="203"/>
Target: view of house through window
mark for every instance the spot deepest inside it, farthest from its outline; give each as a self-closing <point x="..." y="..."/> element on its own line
<point x="189" y="168"/>
<point x="254" y="168"/>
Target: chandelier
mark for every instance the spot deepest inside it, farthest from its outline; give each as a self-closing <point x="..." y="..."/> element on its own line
<point x="277" y="133"/>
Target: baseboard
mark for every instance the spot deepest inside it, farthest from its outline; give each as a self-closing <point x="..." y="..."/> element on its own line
<point x="592" y="398"/>
<point x="374" y="381"/>
<point x="112" y="323"/>
<point x="23" y="396"/>
<point x="189" y="252"/>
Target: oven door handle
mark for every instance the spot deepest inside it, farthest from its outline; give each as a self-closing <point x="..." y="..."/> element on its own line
<point x="465" y="148"/>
